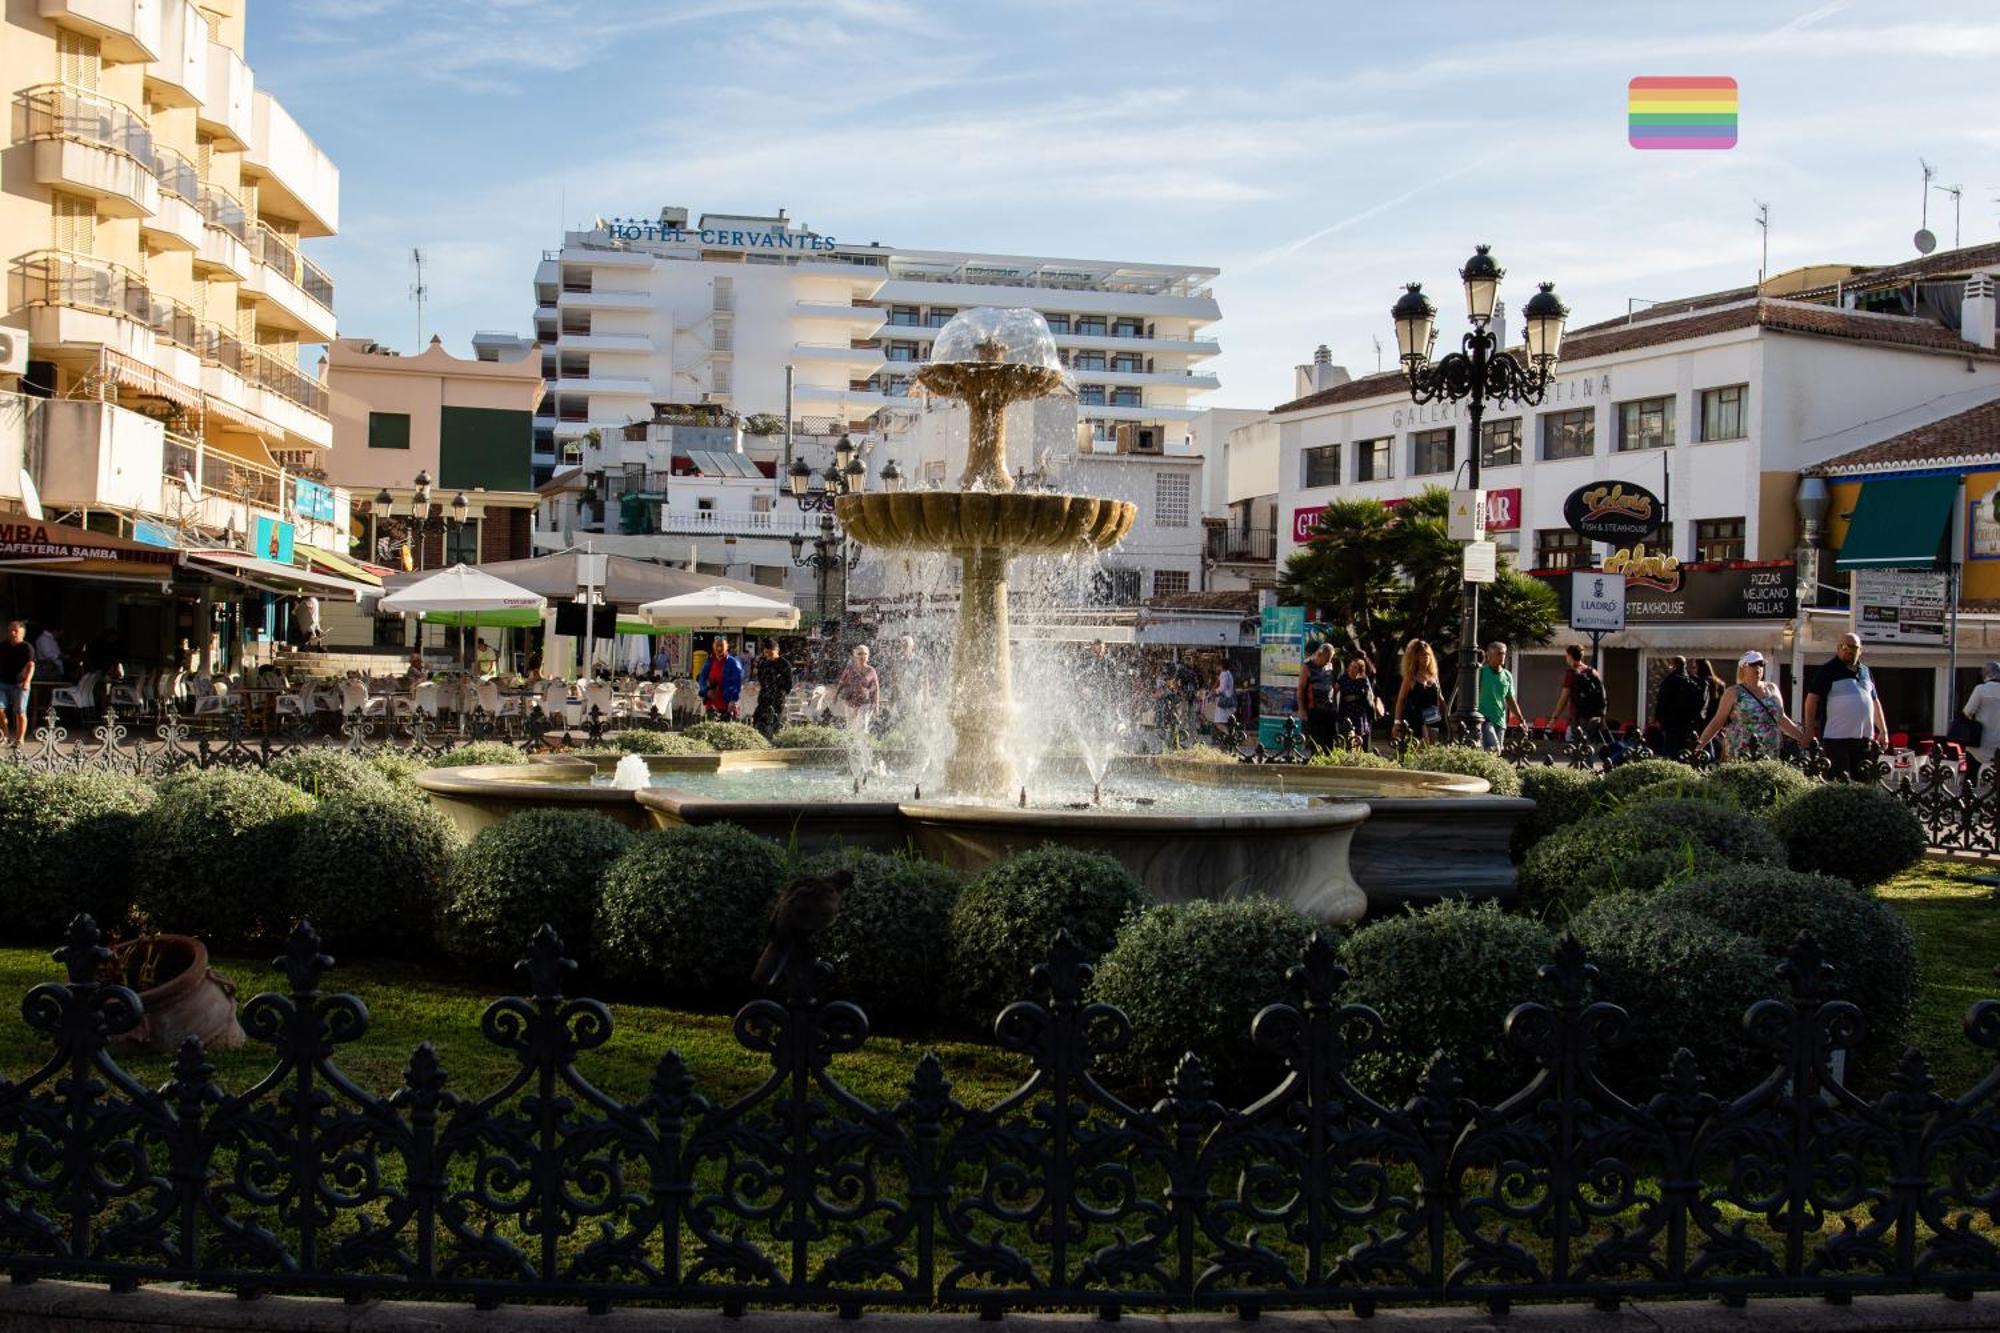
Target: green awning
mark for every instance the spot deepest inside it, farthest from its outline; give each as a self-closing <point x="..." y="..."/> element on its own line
<point x="1900" y="523"/>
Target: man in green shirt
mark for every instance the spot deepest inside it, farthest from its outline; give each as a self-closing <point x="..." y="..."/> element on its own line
<point x="1497" y="704"/>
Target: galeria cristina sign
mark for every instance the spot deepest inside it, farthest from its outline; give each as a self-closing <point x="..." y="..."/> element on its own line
<point x="637" y="229"/>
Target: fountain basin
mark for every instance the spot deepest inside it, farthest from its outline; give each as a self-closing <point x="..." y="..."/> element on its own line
<point x="1018" y="522"/>
<point x="1350" y="839"/>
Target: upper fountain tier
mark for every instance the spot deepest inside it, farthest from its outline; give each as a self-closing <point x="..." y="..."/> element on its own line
<point x="989" y="358"/>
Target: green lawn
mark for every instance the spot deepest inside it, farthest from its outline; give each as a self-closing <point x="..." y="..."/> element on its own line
<point x="1957" y="925"/>
<point x="408" y="1004"/>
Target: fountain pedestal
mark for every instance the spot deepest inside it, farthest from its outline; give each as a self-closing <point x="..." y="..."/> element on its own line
<point x="982" y="690"/>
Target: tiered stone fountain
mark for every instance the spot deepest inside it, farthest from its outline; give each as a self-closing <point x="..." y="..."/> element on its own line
<point x="988" y="359"/>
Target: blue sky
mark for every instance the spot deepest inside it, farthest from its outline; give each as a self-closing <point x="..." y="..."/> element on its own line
<point x="1319" y="154"/>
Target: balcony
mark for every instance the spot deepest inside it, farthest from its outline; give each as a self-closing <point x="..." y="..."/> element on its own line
<point x="176" y="224"/>
<point x="1116" y="342"/>
<point x="179" y="76"/>
<point x="228" y="107"/>
<point x="1243" y="546"/>
<point x="225" y="238"/>
<point x="73" y="300"/>
<point x="607" y="342"/>
<point x="604" y="299"/>
<point x="863" y="317"/>
<point x="295" y="180"/>
<point x="126" y="30"/>
<point x="1191" y="380"/>
<point x="842" y="353"/>
<point x="1173" y="301"/>
<point x="291" y="291"/>
<point x="775" y="524"/>
<point x="91" y="145"/>
<point x="603" y="385"/>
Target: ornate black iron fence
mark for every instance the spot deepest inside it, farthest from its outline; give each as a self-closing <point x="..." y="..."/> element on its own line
<point x="1062" y="1194"/>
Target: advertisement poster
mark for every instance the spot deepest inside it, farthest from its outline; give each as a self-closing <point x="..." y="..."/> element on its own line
<point x="313" y="501"/>
<point x="273" y="540"/>
<point x="1280" y="642"/>
<point x="1901" y="605"/>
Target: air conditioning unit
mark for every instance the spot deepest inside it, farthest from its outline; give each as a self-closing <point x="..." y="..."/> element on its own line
<point x="1125" y="437"/>
<point x="13" y="352"/>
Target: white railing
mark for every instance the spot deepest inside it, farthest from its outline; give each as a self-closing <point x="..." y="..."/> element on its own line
<point x="776" y="523"/>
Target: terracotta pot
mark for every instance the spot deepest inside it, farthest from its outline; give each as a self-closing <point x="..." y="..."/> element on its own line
<point x="184" y="997"/>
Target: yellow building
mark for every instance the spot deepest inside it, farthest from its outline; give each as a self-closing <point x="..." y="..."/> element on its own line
<point x="153" y="207"/>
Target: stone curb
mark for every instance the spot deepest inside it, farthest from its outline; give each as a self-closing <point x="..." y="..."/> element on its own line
<point x="65" y="1307"/>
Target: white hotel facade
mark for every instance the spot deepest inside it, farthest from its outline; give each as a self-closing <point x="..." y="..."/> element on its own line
<point x="1716" y="405"/>
<point x="664" y="317"/>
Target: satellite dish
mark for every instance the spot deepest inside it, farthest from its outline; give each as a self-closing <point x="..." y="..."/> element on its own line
<point x="31" y="499"/>
<point x="1925" y="242"/>
<point x="187" y="484"/>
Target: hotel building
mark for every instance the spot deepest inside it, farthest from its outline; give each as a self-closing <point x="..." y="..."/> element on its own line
<point x="1716" y="404"/>
<point x="674" y="323"/>
<point x="154" y="218"/>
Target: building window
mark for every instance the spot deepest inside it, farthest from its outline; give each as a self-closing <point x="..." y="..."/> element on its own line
<point x="1090" y="326"/>
<point x="1569" y="434"/>
<point x="1645" y="424"/>
<point x="934" y="472"/>
<point x="1659" y="541"/>
<point x="905" y="316"/>
<point x="1321" y="465"/>
<point x="388" y="430"/>
<point x="1125" y="328"/>
<point x="1170" y="500"/>
<point x="1090" y="395"/>
<point x="1057" y="323"/>
<point x="1718" y="539"/>
<point x="1169" y="581"/>
<point x="576" y="323"/>
<point x="1500" y="442"/>
<point x="461" y="542"/>
<point x="1560" y="548"/>
<point x="1130" y="362"/>
<point x="1371" y="459"/>
<point x="1722" y="412"/>
<point x="1089" y="361"/>
<point x="939" y="316"/>
<point x="1126" y="398"/>
<point x="1430" y="451"/>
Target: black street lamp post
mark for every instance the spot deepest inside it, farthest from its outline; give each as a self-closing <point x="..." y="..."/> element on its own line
<point x="830" y="551"/>
<point x="419" y="522"/>
<point x="1481" y="371"/>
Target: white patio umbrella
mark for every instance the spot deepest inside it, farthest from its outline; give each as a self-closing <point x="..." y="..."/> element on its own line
<point x="722" y="608"/>
<point x="460" y="590"/>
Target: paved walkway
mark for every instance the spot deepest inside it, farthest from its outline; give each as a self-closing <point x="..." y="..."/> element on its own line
<point x="62" y="1307"/>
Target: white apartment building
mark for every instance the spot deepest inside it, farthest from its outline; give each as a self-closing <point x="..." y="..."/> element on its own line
<point x="775" y="324"/>
<point x="1714" y="405"/>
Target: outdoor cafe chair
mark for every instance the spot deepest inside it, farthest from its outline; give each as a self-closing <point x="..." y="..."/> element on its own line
<point x="81" y="696"/>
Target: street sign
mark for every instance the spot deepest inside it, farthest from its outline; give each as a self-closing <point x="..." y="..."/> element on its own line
<point x="1902" y="605"/>
<point x="1482" y="562"/>
<point x="1596" y="601"/>
<point x="1468" y="516"/>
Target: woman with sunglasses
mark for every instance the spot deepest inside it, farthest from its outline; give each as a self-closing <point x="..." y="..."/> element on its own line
<point x="1751" y="714"/>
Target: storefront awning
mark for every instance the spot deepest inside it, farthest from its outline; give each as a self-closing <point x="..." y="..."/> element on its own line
<point x="1900" y="523"/>
<point x="337" y="564"/>
<point x="270" y="576"/>
<point x="36" y="546"/>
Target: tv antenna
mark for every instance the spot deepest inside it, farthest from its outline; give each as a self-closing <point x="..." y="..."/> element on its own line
<point x="1957" y="193"/>
<point x="1377" y="338"/>
<point x="418" y="291"/>
<point x="1764" y="226"/>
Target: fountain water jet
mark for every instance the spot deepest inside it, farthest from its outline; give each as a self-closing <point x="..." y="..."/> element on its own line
<point x="988" y="358"/>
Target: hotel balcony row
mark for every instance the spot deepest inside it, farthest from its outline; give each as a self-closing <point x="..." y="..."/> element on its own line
<point x="1108" y="339"/>
<point x="80" y="304"/>
<point x="84" y="453"/>
<point x="1107" y="298"/>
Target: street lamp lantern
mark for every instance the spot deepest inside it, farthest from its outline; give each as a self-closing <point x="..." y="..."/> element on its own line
<point x="798" y="549"/>
<point x="383" y="500"/>
<point x="892" y="477"/>
<point x="1481" y="275"/>
<point x="856" y="473"/>
<point x="799" y="478"/>
<point x="1545" y="314"/>
<point x="460" y="507"/>
<point x="1416" y="327"/>
<point x="843" y="453"/>
<point x="420" y="499"/>
<point x="832" y="481"/>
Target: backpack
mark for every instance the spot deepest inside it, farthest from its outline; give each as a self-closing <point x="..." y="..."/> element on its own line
<point x="1689" y="694"/>
<point x="1587" y="695"/>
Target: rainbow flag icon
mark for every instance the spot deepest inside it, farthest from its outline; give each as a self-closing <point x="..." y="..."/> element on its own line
<point x="1681" y="111"/>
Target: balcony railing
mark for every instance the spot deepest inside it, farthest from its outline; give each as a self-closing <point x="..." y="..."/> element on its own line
<point x="275" y="252"/>
<point x="1070" y="282"/>
<point x="284" y="379"/>
<point x="223" y="476"/>
<point x="220" y="208"/>
<point x="1247" y="545"/>
<point x="177" y="175"/>
<point x="57" y="111"/>
<point x="219" y="347"/>
<point x="739" y="523"/>
<point x="58" y="278"/>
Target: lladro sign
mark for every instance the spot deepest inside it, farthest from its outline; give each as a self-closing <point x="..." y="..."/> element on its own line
<point x="635" y="229"/>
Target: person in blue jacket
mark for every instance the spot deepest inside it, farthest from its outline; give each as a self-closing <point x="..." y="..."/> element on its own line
<point x="722" y="680"/>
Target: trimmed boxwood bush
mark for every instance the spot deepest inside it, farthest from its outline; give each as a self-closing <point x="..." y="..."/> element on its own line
<point x="1759" y="784"/>
<point x="368" y="868"/>
<point x="479" y="752"/>
<point x="1562" y="796"/>
<point x="322" y="770"/>
<point x="70" y="840"/>
<point x="1342" y="757"/>
<point x="1862" y="834"/>
<point x="533" y="867"/>
<point x="400" y="770"/>
<point x="213" y="854"/>
<point x="810" y="736"/>
<point x="890" y="947"/>
<point x="1685" y="981"/>
<point x="1204" y="754"/>
<point x="1874" y="956"/>
<point x="1678" y="789"/>
<point x="1621" y="782"/>
<point x="1191" y="977"/>
<point x="1566" y="868"/>
<point x="686" y="911"/>
<point x="717" y="735"/>
<point x="1468" y="761"/>
<point x="1005" y="920"/>
<point x="655" y="742"/>
<point x="1445" y="979"/>
<point x="1642" y="870"/>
